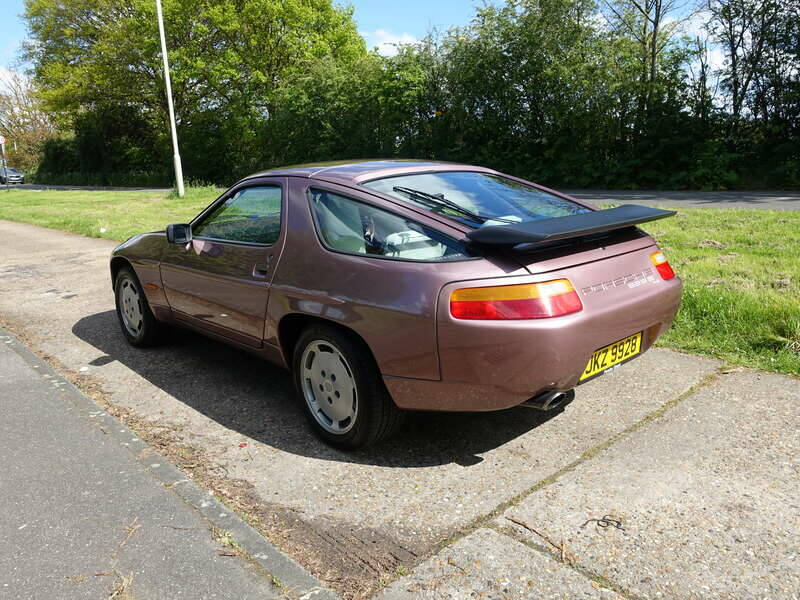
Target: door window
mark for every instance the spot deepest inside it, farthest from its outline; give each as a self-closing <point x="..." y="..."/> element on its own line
<point x="252" y="215"/>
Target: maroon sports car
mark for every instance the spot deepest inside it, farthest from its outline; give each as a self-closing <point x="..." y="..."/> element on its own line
<point x="386" y="286"/>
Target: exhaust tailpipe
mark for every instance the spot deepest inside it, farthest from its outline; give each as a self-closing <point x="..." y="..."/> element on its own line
<point x="550" y="400"/>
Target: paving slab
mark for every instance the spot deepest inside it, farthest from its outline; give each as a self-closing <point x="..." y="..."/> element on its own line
<point x="346" y="516"/>
<point x="489" y="565"/>
<point x="703" y="502"/>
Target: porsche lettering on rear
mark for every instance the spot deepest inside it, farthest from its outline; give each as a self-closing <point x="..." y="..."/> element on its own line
<point x="633" y="280"/>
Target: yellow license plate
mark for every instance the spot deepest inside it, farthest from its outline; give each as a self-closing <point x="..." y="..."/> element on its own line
<point x="612" y="355"/>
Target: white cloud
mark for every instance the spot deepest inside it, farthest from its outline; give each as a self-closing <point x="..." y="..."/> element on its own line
<point x="386" y="42"/>
<point x="694" y="26"/>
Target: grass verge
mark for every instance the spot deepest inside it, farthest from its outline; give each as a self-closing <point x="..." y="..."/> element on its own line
<point x="741" y="267"/>
<point x="111" y="215"/>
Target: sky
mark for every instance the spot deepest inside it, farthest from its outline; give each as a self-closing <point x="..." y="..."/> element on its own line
<point x="381" y="22"/>
<point x="387" y="22"/>
<point x="12" y="32"/>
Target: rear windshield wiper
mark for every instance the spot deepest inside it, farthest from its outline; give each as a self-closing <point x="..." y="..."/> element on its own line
<point x="439" y="201"/>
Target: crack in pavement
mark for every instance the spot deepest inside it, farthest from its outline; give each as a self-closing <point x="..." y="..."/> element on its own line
<point x="486" y="520"/>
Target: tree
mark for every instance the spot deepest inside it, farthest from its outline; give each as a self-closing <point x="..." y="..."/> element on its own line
<point x="22" y="121"/>
<point x="567" y="92"/>
<point x="650" y="25"/>
<point x="227" y="58"/>
<point x="744" y="28"/>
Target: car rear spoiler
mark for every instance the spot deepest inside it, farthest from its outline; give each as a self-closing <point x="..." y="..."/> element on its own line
<point x="561" y="228"/>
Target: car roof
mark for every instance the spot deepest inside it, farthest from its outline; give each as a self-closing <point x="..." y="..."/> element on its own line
<point x="358" y="171"/>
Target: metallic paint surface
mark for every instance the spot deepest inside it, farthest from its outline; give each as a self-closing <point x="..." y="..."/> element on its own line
<point x="516" y="360"/>
<point x="390" y="304"/>
<point x="220" y="285"/>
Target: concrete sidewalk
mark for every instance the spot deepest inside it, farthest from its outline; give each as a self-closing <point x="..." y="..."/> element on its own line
<point x="83" y="517"/>
<point x="702" y="500"/>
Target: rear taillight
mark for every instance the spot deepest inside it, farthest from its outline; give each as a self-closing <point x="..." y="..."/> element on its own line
<point x="524" y="301"/>
<point x="662" y="266"/>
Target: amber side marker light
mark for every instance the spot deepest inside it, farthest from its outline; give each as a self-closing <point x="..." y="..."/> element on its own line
<point x="662" y="265"/>
<point x="508" y="302"/>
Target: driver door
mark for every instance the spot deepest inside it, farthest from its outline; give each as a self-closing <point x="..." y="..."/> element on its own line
<point x="220" y="280"/>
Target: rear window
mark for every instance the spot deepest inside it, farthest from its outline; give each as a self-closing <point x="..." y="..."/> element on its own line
<point x="486" y="199"/>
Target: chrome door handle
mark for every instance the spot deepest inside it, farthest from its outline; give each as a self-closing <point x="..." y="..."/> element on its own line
<point x="261" y="269"/>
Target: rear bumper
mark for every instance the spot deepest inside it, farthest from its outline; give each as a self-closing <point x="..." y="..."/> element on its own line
<point x="492" y="365"/>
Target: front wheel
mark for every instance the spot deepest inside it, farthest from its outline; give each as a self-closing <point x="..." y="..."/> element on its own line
<point x="341" y="390"/>
<point x="135" y="317"/>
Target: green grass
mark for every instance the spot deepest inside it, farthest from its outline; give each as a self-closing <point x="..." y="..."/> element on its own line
<point x="741" y="267"/>
<point x="110" y="215"/>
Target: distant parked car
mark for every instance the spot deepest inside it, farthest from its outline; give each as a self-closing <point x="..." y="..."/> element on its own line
<point x="11" y="175"/>
<point x="391" y="285"/>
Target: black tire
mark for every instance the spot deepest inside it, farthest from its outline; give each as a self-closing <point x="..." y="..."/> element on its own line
<point x="377" y="416"/>
<point x="148" y="331"/>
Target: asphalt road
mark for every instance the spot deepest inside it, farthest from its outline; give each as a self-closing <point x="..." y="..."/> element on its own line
<point x="698" y="467"/>
<point x="88" y="188"/>
<point x="775" y="200"/>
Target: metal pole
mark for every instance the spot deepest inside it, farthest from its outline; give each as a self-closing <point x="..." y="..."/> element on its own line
<point x="5" y="164"/>
<point x="173" y="129"/>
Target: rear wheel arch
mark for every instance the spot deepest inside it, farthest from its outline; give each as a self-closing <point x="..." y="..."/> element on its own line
<point x="373" y="415"/>
<point x="291" y="327"/>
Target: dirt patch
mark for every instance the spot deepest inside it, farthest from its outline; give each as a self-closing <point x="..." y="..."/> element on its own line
<point x="711" y="244"/>
<point x="354" y="561"/>
<point x="783" y="283"/>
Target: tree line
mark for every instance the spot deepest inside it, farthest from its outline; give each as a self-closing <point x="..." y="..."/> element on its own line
<point x="571" y="93"/>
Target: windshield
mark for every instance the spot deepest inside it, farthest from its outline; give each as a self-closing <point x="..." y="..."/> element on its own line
<point x="485" y="199"/>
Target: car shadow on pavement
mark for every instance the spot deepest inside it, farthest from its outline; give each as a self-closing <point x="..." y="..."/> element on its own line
<point x="254" y="398"/>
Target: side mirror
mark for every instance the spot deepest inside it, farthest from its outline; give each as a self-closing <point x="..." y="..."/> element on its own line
<point x="180" y="233"/>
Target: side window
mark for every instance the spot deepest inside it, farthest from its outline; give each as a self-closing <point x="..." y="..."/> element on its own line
<point x="251" y="215"/>
<point x="350" y="226"/>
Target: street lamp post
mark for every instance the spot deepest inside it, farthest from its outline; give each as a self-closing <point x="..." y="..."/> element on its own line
<point x="173" y="129"/>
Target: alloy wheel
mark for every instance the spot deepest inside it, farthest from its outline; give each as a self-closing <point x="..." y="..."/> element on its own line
<point x="329" y="387"/>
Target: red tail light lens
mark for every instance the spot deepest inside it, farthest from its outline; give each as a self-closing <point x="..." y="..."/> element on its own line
<point x="662" y="266"/>
<point x="525" y="301"/>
